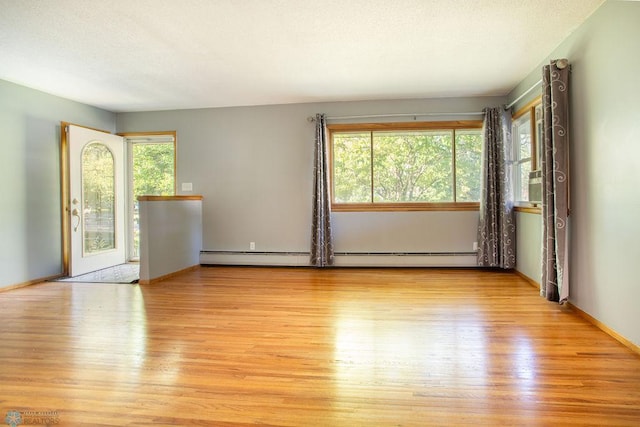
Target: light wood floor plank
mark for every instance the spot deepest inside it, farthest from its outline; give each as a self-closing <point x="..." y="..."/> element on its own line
<point x="232" y="346"/>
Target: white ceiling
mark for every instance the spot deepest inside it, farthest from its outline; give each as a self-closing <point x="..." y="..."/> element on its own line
<point x="142" y="55"/>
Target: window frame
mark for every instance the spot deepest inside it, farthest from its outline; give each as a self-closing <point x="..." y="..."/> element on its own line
<point x="131" y="139"/>
<point x="534" y="110"/>
<point x="401" y="126"/>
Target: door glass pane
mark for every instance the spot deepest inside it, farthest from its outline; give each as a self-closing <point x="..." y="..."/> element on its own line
<point x="98" y="199"/>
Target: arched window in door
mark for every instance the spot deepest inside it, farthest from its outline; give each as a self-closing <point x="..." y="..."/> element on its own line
<point x="98" y="199"/>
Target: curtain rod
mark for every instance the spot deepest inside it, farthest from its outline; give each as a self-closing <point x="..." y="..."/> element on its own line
<point x="560" y="63"/>
<point x="377" y="116"/>
<point x="525" y="93"/>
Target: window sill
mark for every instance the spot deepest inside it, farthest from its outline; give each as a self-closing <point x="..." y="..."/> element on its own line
<point x="404" y="207"/>
<point x="528" y="208"/>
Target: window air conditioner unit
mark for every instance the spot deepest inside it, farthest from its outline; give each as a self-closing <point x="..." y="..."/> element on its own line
<point x="535" y="186"/>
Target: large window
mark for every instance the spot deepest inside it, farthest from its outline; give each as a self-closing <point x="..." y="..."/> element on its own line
<point x="525" y="154"/>
<point x="406" y="166"/>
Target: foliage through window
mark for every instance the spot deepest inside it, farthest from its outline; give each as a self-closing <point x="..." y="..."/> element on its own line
<point x="152" y="171"/>
<point x="412" y="166"/>
<point x="99" y="198"/>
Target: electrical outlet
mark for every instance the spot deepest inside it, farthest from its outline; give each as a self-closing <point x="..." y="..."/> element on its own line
<point x="252" y="246"/>
<point x="475" y="246"/>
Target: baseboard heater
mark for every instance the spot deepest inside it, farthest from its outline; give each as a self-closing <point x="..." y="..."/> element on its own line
<point x="342" y="259"/>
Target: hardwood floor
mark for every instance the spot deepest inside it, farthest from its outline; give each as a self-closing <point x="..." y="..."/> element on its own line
<point x="230" y="346"/>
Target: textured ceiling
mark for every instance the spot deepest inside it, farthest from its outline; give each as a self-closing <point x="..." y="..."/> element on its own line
<point x="139" y="55"/>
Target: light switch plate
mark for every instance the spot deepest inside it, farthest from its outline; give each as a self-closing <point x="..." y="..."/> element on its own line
<point x="187" y="186"/>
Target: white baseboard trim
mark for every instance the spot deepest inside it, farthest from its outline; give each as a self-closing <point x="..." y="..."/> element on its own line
<point x="405" y="260"/>
<point x="289" y="259"/>
<point x="342" y="259"/>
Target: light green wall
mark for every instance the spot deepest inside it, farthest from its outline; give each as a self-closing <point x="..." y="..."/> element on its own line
<point x="605" y="166"/>
<point x="528" y="244"/>
<point x="253" y="165"/>
<point x="30" y="235"/>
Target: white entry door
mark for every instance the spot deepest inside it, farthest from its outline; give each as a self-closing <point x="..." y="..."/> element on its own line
<point x="97" y="200"/>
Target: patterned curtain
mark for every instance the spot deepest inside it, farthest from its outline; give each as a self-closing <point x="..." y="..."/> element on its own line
<point x="321" y="243"/>
<point x="555" y="180"/>
<point x="497" y="227"/>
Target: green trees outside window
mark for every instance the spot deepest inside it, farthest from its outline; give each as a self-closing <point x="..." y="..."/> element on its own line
<point x="406" y="166"/>
<point x="153" y="169"/>
<point x="468" y="165"/>
<point x="153" y="175"/>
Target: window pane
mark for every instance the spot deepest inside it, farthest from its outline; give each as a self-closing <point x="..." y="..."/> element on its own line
<point x="468" y="165"/>
<point x="352" y="167"/>
<point x="523" y="138"/>
<point x="98" y="199"/>
<point x="522" y="145"/>
<point x="525" y="168"/>
<point x="539" y="135"/>
<point x="412" y="166"/>
<point x="153" y="175"/>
